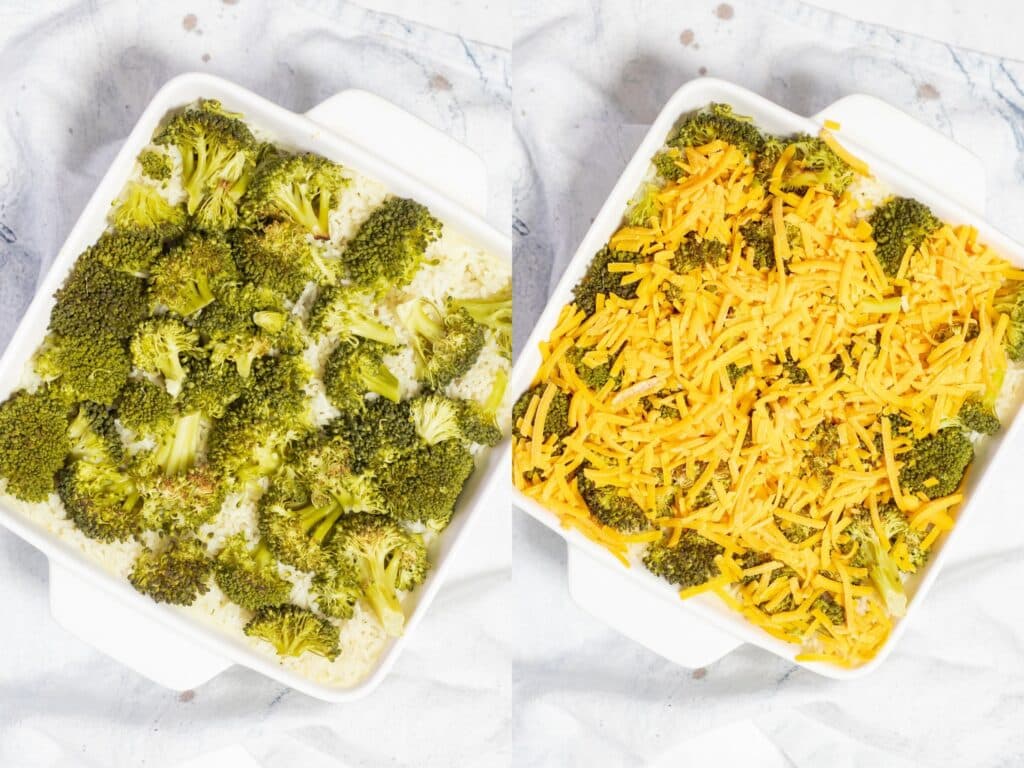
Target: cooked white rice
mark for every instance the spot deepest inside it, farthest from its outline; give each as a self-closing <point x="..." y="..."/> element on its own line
<point x="461" y="269"/>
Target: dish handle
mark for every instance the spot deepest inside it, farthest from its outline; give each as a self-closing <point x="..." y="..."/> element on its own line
<point x="112" y="626"/>
<point x="407" y="142"/>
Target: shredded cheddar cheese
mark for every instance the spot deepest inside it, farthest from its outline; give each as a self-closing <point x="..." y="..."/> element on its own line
<point x="722" y="376"/>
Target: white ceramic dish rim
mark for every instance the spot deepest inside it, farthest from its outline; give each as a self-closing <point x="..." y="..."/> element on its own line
<point x="291" y="129"/>
<point x="773" y="118"/>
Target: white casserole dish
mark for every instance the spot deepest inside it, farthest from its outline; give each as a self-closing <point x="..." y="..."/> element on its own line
<point x="911" y="159"/>
<point x="358" y="130"/>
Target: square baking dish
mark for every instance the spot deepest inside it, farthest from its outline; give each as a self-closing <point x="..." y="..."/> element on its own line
<point x="911" y="159"/>
<point x="358" y="130"/>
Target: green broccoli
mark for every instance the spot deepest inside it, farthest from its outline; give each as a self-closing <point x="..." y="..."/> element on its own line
<point x="294" y="631"/>
<point x="599" y="281"/>
<point x="176" y="573"/>
<point x="346" y="313"/>
<point x="478" y="422"/>
<point x="192" y="275"/>
<point x="96" y="299"/>
<point x="759" y="235"/>
<point x="298" y="188"/>
<point x="823" y="447"/>
<point x="594" y="377"/>
<point x="182" y="501"/>
<point x="178" y="447"/>
<point x="493" y="312"/>
<point x="155" y="165"/>
<point x="436" y="418"/>
<point x="447" y="343"/>
<point x="976" y="415"/>
<point x="935" y="464"/>
<point x="644" y="207"/>
<point x="690" y="563"/>
<point x="1012" y="305"/>
<point x="218" y="154"/>
<point x="694" y="252"/>
<point x="90" y="367"/>
<point x="667" y="166"/>
<point x="557" y="420"/>
<point x="158" y="347"/>
<point x="93" y="435"/>
<point x="391" y="245"/>
<point x="813" y="164"/>
<point x="611" y="507"/>
<point x="132" y="250"/>
<point x="100" y="499"/>
<point x="210" y="388"/>
<point x="142" y="208"/>
<point x="355" y="369"/>
<point x="296" y="530"/>
<point x="423" y="486"/>
<point x="324" y="464"/>
<point x="33" y="432"/>
<point x="882" y="569"/>
<point x="896" y="225"/>
<point x="389" y="560"/>
<point x="282" y="258"/>
<point x="378" y="435"/>
<point x="338" y="588"/>
<point x="248" y="576"/>
<point x="832" y="609"/>
<point x="144" y="407"/>
<point x="718" y="122"/>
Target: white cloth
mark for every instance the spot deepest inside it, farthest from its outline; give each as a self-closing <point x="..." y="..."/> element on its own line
<point x="75" y="76"/>
<point x="588" y="78"/>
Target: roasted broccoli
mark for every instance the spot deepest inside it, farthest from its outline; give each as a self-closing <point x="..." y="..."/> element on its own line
<point x="91" y="367"/>
<point x="718" y="122"/>
<point x="391" y="245"/>
<point x="882" y="569"/>
<point x="690" y="563"/>
<point x="389" y="560"/>
<point x="183" y="501"/>
<point x="99" y="300"/>
<point x="667" y="164"/>
<point x="557" y="420"/>
<point x="144" y="209"/>
<point x="296" y="530"/>
<point x="899" y="224"/>
<point x="192" y="275"/>
<point x="348" y="314"/>
<point x="248" y="576"/>
<point x="423" y="486"/>
<point x="813" y="164"/>
<point x="356" y="368"/>
<point x="976" y="415"/>
<point x="694" y="253"/>
<point x="599" y="281"/>
<point x="494" y="312"/>
<point x="218" y="154"/>
<point x="447" y="343"/>
<point x="282" y="258"/>
<point x="131" y="250"/>
<point x="935" y="464"/>
<point x="33" y="431"/>
<point x="158" y="347"/>
<point x="479" y="421"/>
<point x="1012" y="305"/>
<point x="177" y="572"/>
<point x="301" y="189"/>
<point x="593" y="376"/>
<point x="294" y="631"/>
<point x="338" y="588"/>
<point x="210" y="388"/>
<point x="611" y="506"/>
<point x="155" y="165"/>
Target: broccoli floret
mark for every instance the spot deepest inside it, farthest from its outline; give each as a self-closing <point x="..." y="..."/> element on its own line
<point x="144" y="407"/>
<point x="736" y="372"/>
<point x="594" y="377"/>
<point x="379" y="435"/>
<point x="598" y="280"/>
<point x="813" y="164"/>
<point x="935" y="464"/>
<point x="282" y="258"/>
<point x="557" y="420"/>
<point x="324" y="463"/>
<point x="93" y="435"/>
<point x="210" y="388"/>
<point x="133" y="251"/>
<point x="908" y="550"/>
<point x="976" y="415"/>
<point x="1013" y="307"/>
<point x="611" y="507"/>
<point x="249" y="443"/>
<point x="667" y="164"/>
<point x="718" y="122"/>
<point x="695" y="252"/>
<point x="347" y="314"/>
<point x="96" y="299"/>
<point x="446" y="343"/>
<point x="822" y="450"/>
<point x="181" y="502"/>
<point x="690" y="563"/>
<point x="896" y="225"/>
<point x="294" y="631"/>
<point x="91" y="367"/>
<point x="294" y="528"/>
<point x="388" y="559"/>
<point x="479" y="421"/>
<point x="644" y="207"/>
<point x="436" y="418"/>
<point x="277" y="392"/>
<point x="100" y="499"/>
<point x="338" y="588"/>
<point x="830" y="607"/>
<point x="178" y="448"/>
<point x="355" y="369"/>
<point x="144" y="209"/>
<point x="218" y="154"/>
<point x="176" y="573"/>
<point x="494" y="312"/>
<point x="192" y="275"/>
<point x="33" y="433"/>
<point x="248" y="576"/>
<point x="246" y="323"/>
<point x="158" y="347"/>
<point x="424" y="485"/>
<point x="298" y="188"/>
<point x="155" y="165"/>
<point x="882" y="569"/>
<point x="391" y="244"/>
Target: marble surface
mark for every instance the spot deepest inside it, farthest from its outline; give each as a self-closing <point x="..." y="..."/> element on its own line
<point x="587" y="80"/>
<point x="75" y="76"/>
